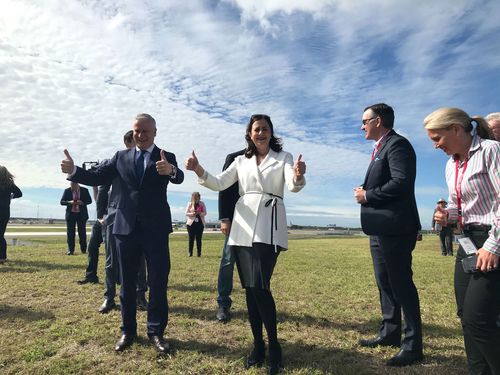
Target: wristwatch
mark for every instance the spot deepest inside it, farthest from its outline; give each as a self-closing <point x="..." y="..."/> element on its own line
<point x="174" y="172"/>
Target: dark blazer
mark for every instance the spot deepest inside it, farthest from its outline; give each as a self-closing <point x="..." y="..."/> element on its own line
<point x="135" y="201"/>
<point x="102" y="200"/>
<point x="391" y="208"/>
<point x="8" y="194"/>
<point x="229" y="197"/>
<point x="84" y="197"/>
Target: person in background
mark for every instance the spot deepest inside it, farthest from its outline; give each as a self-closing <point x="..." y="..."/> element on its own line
<point x="259" y="228"/>
<point x="493" y="120"/>
<point x="76" y="199"/>
<point x="473" y="179"/>
<point x="195" y="213"/>
<point x="95" y="242"/>
<point x="445" y="232"/>
<point x="227" y="202"/>
<point x="389" y="216"/>
<point x="106" y="204"/>
<point x="8" y="190"/>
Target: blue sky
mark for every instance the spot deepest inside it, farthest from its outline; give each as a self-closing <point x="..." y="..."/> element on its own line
<point x="75" y="73"/>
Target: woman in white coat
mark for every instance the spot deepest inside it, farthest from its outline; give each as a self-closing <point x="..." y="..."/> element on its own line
<point x="259" y="227"/>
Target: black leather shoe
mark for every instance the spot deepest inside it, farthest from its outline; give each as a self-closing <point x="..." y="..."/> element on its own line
<point x="257" y="356"/>
<point x="379" y="341"/>
<point x="406" y="358"/>
<point x="69" y="252"/>
<point x="89" y="281"/>
<point x="125" y="341"/>
<point x="223" y="315"/>
<point x="84" y="251"/>
<point x="275" y="363"/>
<point x="107" y="306"/>
<point x="142" y="303"/>
<point x="160" y="344"/>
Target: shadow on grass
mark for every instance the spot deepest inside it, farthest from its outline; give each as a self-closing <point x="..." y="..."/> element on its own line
<point x="192" y="288"/>
<point x="30" y="266"/>
<point x="314" y="358"/>
<point x="14" y="312"/>
<point x="367" y="328"/>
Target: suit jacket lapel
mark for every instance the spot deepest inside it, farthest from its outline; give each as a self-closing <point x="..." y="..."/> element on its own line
<point x="153" y="158"/>
<point x="268" y="161"/>
<point x="253" y="168"/>
<point x="375" y="157"/>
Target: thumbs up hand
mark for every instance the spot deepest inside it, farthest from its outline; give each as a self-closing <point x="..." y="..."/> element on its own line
<point x="67" y="164"/>
<point x="192" y="164"/>
<point x="441" y="216"/>
<point x="163" y="167"/>
<point x="299" y="168"/>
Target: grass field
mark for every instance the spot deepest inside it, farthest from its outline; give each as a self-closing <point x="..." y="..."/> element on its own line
<point x="325" y="294"/>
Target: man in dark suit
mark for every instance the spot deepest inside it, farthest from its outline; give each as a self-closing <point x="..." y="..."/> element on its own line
<point x="106" y="203"/>
<point x="227" y="202"/>
<point x="76" y="199"/>
<point x="389" y="216"/>
<point x="142" y="224"/>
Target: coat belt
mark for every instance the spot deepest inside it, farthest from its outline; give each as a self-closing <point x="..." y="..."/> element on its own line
<point x="274" y="212"/>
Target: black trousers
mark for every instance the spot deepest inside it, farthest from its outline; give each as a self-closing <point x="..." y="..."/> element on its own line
<point x="478" y="306"/>
<point x="71" y="220"/>
<point x="112" y="263"/>
<point x="153" y="243"/>
<point x="195" y="231"/>
<point x="4" y="219"/>
<point x="96" y="239"/>
<point x="446" y="239"/>
<point x="392" y="259"/>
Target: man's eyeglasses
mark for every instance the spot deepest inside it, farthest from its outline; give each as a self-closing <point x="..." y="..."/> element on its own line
<point x="365" y="121"/>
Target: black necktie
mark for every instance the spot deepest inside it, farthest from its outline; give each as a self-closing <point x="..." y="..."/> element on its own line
<point x="139" y="165"/>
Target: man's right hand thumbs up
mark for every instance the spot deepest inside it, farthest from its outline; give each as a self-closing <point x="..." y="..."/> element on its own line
<point x="67" y="165"/>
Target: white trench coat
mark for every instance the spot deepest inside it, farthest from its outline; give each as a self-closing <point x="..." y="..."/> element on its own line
<point x="261" y="192"/>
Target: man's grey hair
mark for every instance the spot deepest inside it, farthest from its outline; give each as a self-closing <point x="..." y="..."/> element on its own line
<point x="493" y="116"/>
<point x="145" y="117"/>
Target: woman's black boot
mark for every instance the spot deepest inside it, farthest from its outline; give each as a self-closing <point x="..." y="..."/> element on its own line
<point x="257" y="356"/>
<point x="275" y="361"/>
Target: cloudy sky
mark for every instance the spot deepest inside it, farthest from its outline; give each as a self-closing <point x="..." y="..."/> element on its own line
<point x="75" y="73"/>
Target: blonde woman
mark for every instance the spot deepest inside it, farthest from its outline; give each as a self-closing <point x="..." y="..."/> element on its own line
<point x="473" y="179"/>
<point x="195" y="213"/>
<point x="8" y="190"/>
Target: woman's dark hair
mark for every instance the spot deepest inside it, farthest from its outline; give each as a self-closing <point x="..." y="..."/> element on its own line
<point x="275" y="143"/>
<point x="6" y="179"/>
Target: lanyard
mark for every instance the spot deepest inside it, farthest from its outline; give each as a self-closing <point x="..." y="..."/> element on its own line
<point x="458" y="189"/>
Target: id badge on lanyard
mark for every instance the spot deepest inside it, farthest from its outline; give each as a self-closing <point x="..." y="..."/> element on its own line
<point x="458" y="191"/>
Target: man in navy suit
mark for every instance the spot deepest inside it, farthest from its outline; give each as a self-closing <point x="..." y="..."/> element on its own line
<point x="142" y="224"/>
<point x="389" y="216"/>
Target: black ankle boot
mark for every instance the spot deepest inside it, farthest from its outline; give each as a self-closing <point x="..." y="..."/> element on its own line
<point x="257" y="356"/>
<point x="275" y="361"/>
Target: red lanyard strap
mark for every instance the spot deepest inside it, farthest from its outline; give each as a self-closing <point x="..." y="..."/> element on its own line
<point x="458" y="189"/>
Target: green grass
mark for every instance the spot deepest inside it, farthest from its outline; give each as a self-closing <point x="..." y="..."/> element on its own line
<point x="324" y="289"/>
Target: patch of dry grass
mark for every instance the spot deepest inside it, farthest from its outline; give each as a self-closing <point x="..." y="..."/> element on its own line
<point x="324" y="290"/>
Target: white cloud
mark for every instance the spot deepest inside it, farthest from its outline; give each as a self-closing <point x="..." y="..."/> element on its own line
<point x="75" y="73"/>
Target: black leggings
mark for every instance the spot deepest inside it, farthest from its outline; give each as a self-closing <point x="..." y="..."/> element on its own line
<point x="262" y="310"/>
<point x="195" y="231"/>
<point x="4" y="219"/>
